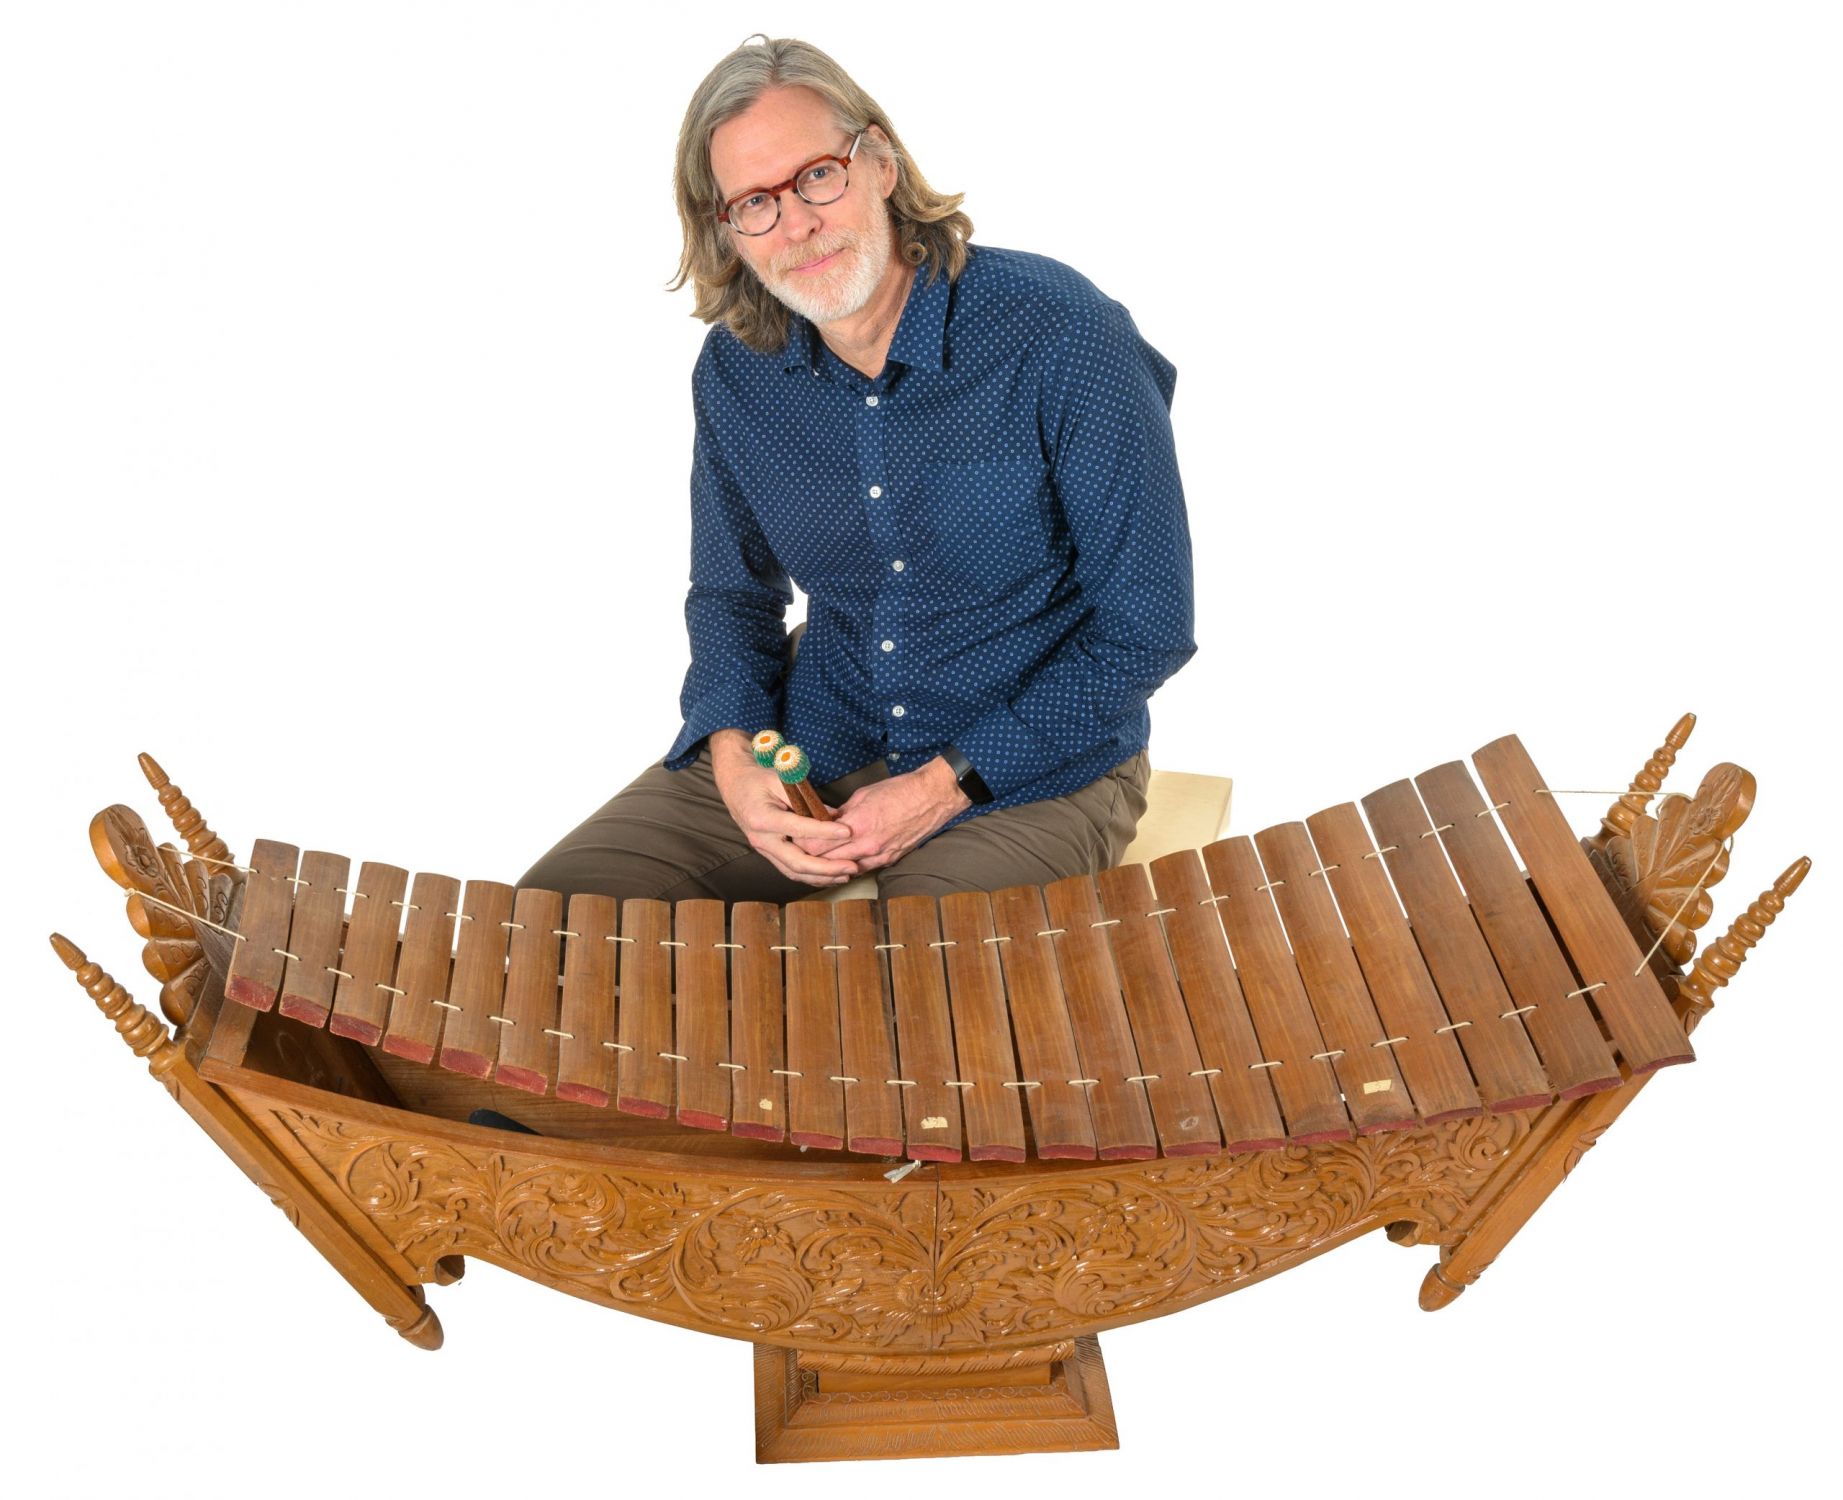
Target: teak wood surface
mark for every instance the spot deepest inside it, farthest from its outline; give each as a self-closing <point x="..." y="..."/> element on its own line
<point x="938" y="1312"/>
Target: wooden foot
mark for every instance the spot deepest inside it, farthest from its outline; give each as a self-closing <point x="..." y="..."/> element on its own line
<point x="811" y="1406"/>
<point x="1437" y="1292"/>
<point x="422" y="1328"/>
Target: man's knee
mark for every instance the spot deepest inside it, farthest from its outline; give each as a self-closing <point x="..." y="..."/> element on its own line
<point x="653" y="839"/>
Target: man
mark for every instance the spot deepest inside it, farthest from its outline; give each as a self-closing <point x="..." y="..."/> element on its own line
<point x="964" y="456"/>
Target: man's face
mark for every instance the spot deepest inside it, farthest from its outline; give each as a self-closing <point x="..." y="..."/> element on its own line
<point x="824" y="261"/>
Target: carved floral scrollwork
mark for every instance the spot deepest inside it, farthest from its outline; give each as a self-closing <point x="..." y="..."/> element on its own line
<point x="861" y="1266"/>
<point x="1036" y="1260"/>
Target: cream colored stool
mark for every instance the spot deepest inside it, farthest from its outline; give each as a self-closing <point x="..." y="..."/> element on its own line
<point x="1183" y="811"/>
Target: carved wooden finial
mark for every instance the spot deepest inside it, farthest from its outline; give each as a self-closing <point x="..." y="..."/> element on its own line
<point x="187" y="821"/>
<point x="144" y="1033"/>
<point x="1624" y="813"/>
<point x="1721" y="961"/>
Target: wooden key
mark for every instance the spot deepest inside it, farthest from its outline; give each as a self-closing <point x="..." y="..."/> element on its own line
<point x="423" y="969"/>
<point x="873" y="1105"/>
<point x="815" y="1104"/>
<point x="1645" y="1029"/>
<point x="982" y="1029"/>
<point x="470" y="1037"/>
<point x="585" y="1060"/>
<point x="1111" y="1070"/>
<point x="758" y="1109"/>
<point x="1168" y="1057"/>
<point x="1471" y="990"/>
<point x="924" y="1032"/>
<point x="361" y="1004"/>
<point x="1365" y="1064"/>
<point x="268" y="907"/>
<point x="644" y="1076"/>
<point x="528" y="1040"/>
<point x="703" y="1015"/>
<point x="314" y="938"/>
<point x="1406" y="997"/>
<point x="1060" y="1117"/>
<point x="1567" y="1036"/>
<point x="1226" y="1043"/>
<point x="1283" y="1018"/>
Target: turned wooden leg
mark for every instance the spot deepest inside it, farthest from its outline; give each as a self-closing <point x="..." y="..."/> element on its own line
<point x="1467" y="1258"/>
<point x="819" y="1405"/>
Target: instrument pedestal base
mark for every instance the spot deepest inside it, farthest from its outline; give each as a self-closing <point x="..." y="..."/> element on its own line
<point x="815" y="1405"/>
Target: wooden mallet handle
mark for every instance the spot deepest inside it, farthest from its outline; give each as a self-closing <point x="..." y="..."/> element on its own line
<point x="791" y="765"/>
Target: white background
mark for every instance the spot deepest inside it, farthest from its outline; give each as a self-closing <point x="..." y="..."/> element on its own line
<point x="345" y="431"/>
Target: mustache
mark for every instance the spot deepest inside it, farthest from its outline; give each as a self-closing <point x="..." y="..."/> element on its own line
<point x="831" y="248"/>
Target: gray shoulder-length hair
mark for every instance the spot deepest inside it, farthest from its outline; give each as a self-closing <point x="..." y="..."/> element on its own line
<point x="930" y="228"/>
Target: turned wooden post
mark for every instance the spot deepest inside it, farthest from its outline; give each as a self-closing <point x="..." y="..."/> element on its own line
<point x="243" y="1141"/>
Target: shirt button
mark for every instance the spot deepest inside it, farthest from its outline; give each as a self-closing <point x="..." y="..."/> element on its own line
<point x="889" y="645"/>
<point x="897" y="565"/>
<point x="870" y="400"/>
<point x="895" y="755"/>
<point x="876" y="492"/>
<point x="898" y="710"/>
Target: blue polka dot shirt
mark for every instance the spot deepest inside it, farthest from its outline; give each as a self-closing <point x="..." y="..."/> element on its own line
<point x="991" y="536"/>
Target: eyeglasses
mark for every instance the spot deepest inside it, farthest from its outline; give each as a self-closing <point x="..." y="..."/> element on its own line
<point x="822" y="180"/>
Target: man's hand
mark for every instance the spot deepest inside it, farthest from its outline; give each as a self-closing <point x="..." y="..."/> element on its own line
<point x="890" y="817"/>
<point x="800" y="847"/>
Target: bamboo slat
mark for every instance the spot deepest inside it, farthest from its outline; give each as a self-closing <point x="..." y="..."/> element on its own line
<point x="1625" y="991"/>
<point x="1123" y="1126"/>
<point x="361" y="1004"/>
<point x="314" y="938"/>
<point x="1365" y="1065"/>
<point x="585" y="1061"/>
<point x="815" y="1104"/>
<point x="1168" y="1058"/>
<point x="1406" y="997"/>
<point x="1060" y="1117"/>
<point x="268" y="907"/>
<point x="758" y="1109"/>
<point x="643" y="1077"/>
<point x="1503" y="1062"/>
<point x="703" y="1015"/>
<point x="873" y="1103"/>
<point x="1567" y="1036"/>
<point x="470" y="1035"/>
<point x="1283" y="1019"/>
<point x="994" y="1113"/>
<point x="924" y="1030"/>
<point x="528" y="1039"/>
<point x="424" y="969"/>
<point x="1226" y="1042"/>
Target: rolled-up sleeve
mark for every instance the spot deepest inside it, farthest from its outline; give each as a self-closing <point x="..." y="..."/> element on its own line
<point x="736" y="609"/>
<point x="1105" y="413"/>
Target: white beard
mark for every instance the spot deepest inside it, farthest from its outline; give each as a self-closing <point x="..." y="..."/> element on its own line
<point x="841" y="289"/>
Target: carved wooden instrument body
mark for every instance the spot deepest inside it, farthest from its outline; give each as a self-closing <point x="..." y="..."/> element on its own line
<point x="1115" y="1096"/>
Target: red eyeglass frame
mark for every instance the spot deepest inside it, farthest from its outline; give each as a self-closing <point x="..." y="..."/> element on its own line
<point x="723" y="214"/>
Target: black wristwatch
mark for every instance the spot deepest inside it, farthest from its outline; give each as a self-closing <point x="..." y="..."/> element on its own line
<point x="971" y="782"/>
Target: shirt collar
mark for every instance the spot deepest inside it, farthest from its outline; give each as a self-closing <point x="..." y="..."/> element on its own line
<point x="920" y="340"/>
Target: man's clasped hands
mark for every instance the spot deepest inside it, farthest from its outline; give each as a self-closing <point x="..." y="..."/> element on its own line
<point x="874" y="827"/>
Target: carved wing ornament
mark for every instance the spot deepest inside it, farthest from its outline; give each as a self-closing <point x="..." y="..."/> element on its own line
<point x="158" y="879"/>
<point x="1662" y="872"/>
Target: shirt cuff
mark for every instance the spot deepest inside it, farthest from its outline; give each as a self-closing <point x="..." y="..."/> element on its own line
<point x="739" y="708"/>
